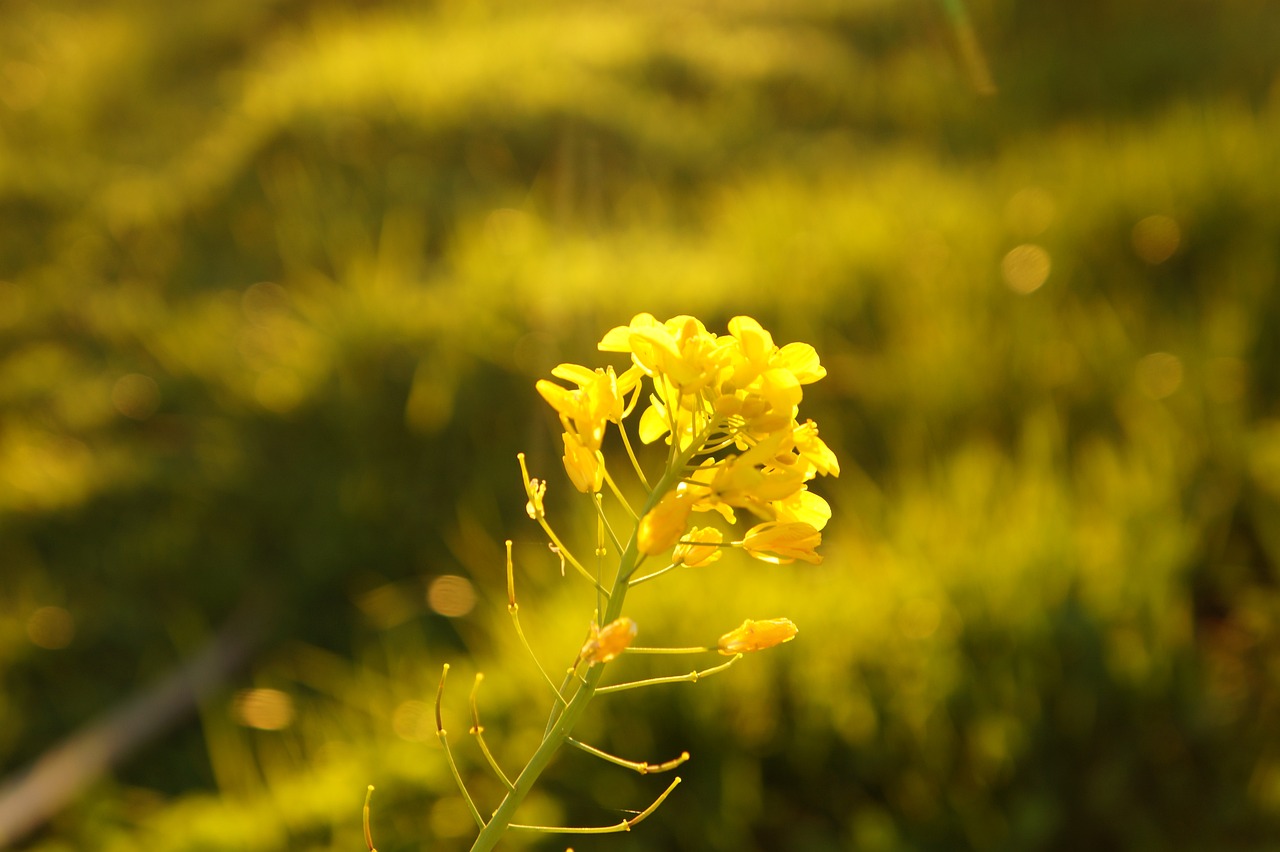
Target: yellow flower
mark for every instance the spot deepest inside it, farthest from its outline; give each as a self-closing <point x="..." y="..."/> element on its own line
<point x="584" y="466"/>
<point x="757" y="635"/>
<point x="698" y="548"/>
<point x="802" y="507"/>
<point x="597" y="400"/>
<point x="607" y="642"/>
<point x="814" y="450"/>
<point x="536" y="489"/>
<point x="781" y="543"/>
<point x="681" y="349"/>
<point x="753" y="480"/>
<point x="664" y="524"/>
<point x="801" y="360"/>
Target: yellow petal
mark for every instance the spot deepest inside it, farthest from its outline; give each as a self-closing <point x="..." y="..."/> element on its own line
<point x="803" y="507"/>
<point x="801" y="360"/>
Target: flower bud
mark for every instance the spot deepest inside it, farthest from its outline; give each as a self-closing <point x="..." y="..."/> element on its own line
<point x="664" y="524"/>
<point x="607" y="642"/>
<point x="698" y="548"/>
<point x="757" y="635"/>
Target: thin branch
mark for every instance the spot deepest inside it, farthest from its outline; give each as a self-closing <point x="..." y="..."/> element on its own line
<point x="617" y="492"/>
<point x="448" y="753"/>
<point x="691" y="677"/>
<point x="368" y="835"/>
<point x="638" y="580"/>
<point x="636" y="650"/>
<point x="478" y="731"/>
<point x="631" y="454"/>
<point x="625" y="825"/>
<point x="643" y="767"/>
<point x="514" y="609"/>
<point x="572" y="560"/>
<point x="606" y="526"/>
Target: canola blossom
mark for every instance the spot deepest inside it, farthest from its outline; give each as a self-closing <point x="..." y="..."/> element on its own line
<point x="726" y="409"/>
<point x="757" y="635"/>
<point x="727" y="406"/>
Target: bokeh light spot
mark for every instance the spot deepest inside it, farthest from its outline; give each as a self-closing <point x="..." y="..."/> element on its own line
<point x="509" y="231"/>
<point x="279" y="390"/>
<point x="1159" y="374"/>
<point x="919" y="618"/>
<point x="135" y="396"/>
<point x="1156" y="238"/>
<point x="264" y="301"/>
<point x="264" y="709"/>
<point x="389" y="605"/>
<point x="1026" y="268"/>
<point x="451" y="595"/>
<point x="414" y="721"/>
<point x="51" y="627"/>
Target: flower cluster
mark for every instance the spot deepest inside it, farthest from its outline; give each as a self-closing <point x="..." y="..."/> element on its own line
<point x="727" y="406"/>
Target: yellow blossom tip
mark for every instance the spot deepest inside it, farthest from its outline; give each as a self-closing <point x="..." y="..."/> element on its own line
<point x="757" y="635"/>
<point x="607" y="642"/>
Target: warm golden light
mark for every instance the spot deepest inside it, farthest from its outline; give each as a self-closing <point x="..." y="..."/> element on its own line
<point x="1159" y="375"/>
<point x="135" y="396"/>
<point x="451" y="595"/>
<point x="264" y="709"/>
<point x="1025" y="268"/>
<point x="412" y="721"/>
<point x="51" y="627"/>
<point x="1156" y="238"/>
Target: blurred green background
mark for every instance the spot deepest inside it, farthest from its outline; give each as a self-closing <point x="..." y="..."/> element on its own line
<point x="276" y="280"/>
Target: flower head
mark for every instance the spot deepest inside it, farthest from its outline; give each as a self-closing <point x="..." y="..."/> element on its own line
<point x="757" y="635"/>
<point x="597" y="400"/>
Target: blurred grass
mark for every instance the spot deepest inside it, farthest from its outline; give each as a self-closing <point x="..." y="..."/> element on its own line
<point x="276" y="280"/>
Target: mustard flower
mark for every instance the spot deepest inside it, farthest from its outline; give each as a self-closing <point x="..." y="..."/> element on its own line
<point x="814" y="450"/>
<point x="748" y="481"/>
<point x="681" y="349"/>
<point x="597" y="401"/>
<point x="584" y="466"/>
<point x="698" y="548"/>
<point x="757" y="635"/>
<point x="536" y="490"/>
<point x="802" y="507"/>
<point x="607" y="642"/>
<point x="782" y="543"/>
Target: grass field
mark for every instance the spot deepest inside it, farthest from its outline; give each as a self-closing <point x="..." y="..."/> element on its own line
<point x="277" y="280"/>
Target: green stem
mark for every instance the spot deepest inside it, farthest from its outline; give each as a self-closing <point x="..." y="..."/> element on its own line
<point x="555" y="737"/>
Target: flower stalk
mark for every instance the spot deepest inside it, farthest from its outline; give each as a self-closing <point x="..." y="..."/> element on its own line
<point x="726" y="406"/>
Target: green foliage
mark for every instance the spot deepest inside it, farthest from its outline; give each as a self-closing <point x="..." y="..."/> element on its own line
<point x="276" y="280"/>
